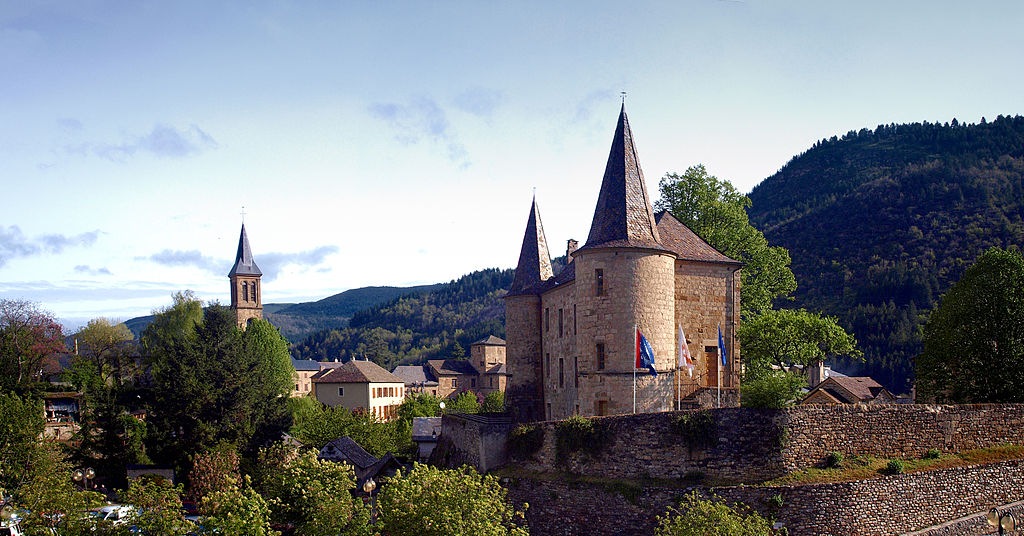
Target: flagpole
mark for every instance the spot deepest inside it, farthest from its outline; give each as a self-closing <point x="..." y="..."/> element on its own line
<point x="635" y="342"/>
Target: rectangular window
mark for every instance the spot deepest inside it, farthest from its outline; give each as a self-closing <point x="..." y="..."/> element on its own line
<point x="547" y="364"/>
<point x="547" y="319"/>
<point x="559" y="322"/>
<point x="549" y="411"/>
<point x="561" y="372"/>
<point x="600" y="356"/>
<point x="574" y="319"/>
<point x="453" y="382"/>
<point x="341" y="391"/>
<point x="599" y="282"/>
<point x="576" y="374"/>
<point x="472" y="382"/>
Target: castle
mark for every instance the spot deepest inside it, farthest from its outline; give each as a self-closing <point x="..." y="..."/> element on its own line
<point x="246" y="295"/>
<point x="571" y="336"/>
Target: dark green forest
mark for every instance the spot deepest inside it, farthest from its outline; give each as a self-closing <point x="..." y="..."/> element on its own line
<point x="880" y="223"/>
<point x="418" y="326"/>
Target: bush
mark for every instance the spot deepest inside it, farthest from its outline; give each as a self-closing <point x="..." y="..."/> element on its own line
<point x="577" y="433"/>
<point x="932" y="454"/>
<point x="494" y="402"/>
<point x="698" y="428"/>
<point x="525" y="440"/>
<point x="834" y="459"/>
<point x="773" y="390"/>
<point x="698" y="517"/>
<point x="894" y="467"/>
<point x="776" y="500"/>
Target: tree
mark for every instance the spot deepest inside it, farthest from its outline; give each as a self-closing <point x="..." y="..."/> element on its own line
<point x="466" y="402"/>
<point x="237" y="510"/>
<point x="213" y="471"/>
<point x="316" y="497"/>
<point x="212" y="382"/>
<point x="774" y="389"/>
<point x="701" y="517"/>
<point x="974" y="341"/>
<point x="30" y="342"/>
<point x="156" y="506"/>
<point x="792" y="337"/>
<point x="714" y="210"/>
<point x="315" y="424"/>
<point x="494" y="402"/>
<point x="428" y="501"/>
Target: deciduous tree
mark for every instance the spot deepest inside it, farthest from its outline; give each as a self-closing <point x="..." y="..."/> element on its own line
<point x="792" y="337"/>
<point x="974" y="340"/>
<point x="697" y="516"/>
<point x="31" y="340"/>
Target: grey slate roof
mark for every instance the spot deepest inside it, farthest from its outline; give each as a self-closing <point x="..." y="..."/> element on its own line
<point x="244" y="263"/>
<point x="452" y="366"/>
<point x="426" y="428"/>
<point x="305" y="364"/>
<point x="685" y="243"/>
<point x="534" y="260"/>
<point x="490" y="340"/>
<point x="357" y="372"/>
<point x="415" y="375"/>
<point x="345" y="449"/>
<point x="623" y="216"/>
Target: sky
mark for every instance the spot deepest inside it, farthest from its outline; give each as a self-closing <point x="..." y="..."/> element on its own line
<point x="400" y="143"/>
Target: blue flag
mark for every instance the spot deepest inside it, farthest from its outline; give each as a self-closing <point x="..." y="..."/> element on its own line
<point x="721" y="346"/>
<point x="644" y="353"/>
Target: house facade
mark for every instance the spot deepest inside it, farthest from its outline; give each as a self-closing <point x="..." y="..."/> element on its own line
<point x="484" y="372"/>
<point x="360" y="386"/>
<point x="571" y="336"/>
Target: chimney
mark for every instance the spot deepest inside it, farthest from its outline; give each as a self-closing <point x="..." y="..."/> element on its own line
<point x="569" y="249"/>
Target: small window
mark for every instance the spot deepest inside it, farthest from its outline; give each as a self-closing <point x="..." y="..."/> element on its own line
<point x="453" y="382"/>
<point x="472" y="382"/>
<point x="599" y="282"/>
<point x="296" y="387"/>
<point x="254" y="291"/>
<point x="547" y="319"/>
<point x="574" y="319"/>
<point x="600" y="356"/>
<point x="547" y="364"/>
<point x="559" y="322"/>
<point x="561" y="372"/>
<point x="245" y="291"/>
<point x="576" y="375"/>
<point x="341" y="391"/>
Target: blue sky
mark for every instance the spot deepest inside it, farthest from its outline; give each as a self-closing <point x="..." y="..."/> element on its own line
<point x="398" y="143"/>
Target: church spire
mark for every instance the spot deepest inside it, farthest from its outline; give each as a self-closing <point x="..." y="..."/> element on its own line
<point x="623" y="217"/>
<point x="534" y="260"/>
<point x="244" y="263"/>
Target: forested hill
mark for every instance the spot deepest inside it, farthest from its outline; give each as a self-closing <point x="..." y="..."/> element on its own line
<point x="419" y="326"/>
<point x="880" y="223"/>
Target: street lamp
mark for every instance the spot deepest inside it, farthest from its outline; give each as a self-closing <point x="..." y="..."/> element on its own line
<point x="83" y="476"/>
<point x="1004" y="522"/>
<point x="368" y="487"/>
<point x="442" y="407"/>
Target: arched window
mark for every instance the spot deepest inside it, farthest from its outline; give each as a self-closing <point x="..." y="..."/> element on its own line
<point x="254" y="291"/>
<point x="245" y="291"/>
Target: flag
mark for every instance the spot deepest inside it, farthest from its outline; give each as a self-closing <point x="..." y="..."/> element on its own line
<point x="684" y="352"/>
<point x="644" y="353"/>
<point x="721" y="346"/>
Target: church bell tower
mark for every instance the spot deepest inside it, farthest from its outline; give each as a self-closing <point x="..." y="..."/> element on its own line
<point x="246" y="293"/>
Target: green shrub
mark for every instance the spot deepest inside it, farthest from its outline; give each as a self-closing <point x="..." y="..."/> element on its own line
<point x="699" y="428"/>
<point x="932" y="454"/>
<point x="834" y="459"/>
<point x="773" y="390"/>
<point x="525" y="440"/>
<point x="579" y="434"/>
<point x="776" y="501"/>
<point x="894" y="467"/>
<point x="780" y="436"/>
<point x="697" y="516"/>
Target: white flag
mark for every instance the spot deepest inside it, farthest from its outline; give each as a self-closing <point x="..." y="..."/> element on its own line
<point x="684" y="352"/>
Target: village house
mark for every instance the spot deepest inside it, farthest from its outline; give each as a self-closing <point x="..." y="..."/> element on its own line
<point x="484" y="372"/>
<point x="360" y="386"/>
<point x="849" y="390"/>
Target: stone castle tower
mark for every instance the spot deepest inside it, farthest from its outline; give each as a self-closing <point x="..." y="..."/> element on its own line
<point x="570" y="336"/>
<point x="246" y="294"/>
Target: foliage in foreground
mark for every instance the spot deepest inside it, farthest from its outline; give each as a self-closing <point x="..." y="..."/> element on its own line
<point x="697" y="516"/>
<point x="775" y="390"/>
<point x="442" y="502"/>
<point x="974" y="340"/>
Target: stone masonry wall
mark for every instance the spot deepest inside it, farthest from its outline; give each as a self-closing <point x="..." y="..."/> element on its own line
<point x="524" y="392"/>
<point x="881" y="506"/>
<point x="560" y="353"/>
<point x="707" y="295"/>
<point x="751" y="445"/>
<point x="474" y="440"/>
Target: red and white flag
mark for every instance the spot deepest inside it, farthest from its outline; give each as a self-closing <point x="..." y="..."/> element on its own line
<point x="684" y="352"/>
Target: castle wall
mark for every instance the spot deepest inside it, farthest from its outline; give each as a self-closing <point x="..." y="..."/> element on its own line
<point x="706" y="296"/>
<point x="752" y="445"/>
<point x="880" y="506"/>
<point x="560" y="354"/>
<point x="524" y="395"/>
<point x="638" y="291"/>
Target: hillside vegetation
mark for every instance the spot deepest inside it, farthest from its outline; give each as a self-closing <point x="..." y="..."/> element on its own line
<point x="419" y="326"/>
<point x="880" y="223"/>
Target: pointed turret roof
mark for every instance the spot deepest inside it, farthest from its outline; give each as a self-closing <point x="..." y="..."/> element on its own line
<point x="534" y="260"/>
<point x="623" y="217"/>
<point x="244" y="263"/>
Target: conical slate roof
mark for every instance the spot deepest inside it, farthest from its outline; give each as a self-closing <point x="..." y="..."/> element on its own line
<point x="534" y="260"/>
<point x="623" y="217"/>
<point x="244" y="263"/>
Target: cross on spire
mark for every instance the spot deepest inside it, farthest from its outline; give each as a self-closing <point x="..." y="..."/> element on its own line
<point x="243" y="214"/>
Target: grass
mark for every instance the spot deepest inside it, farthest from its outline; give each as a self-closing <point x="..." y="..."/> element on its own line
<point x="865" y="467"/>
